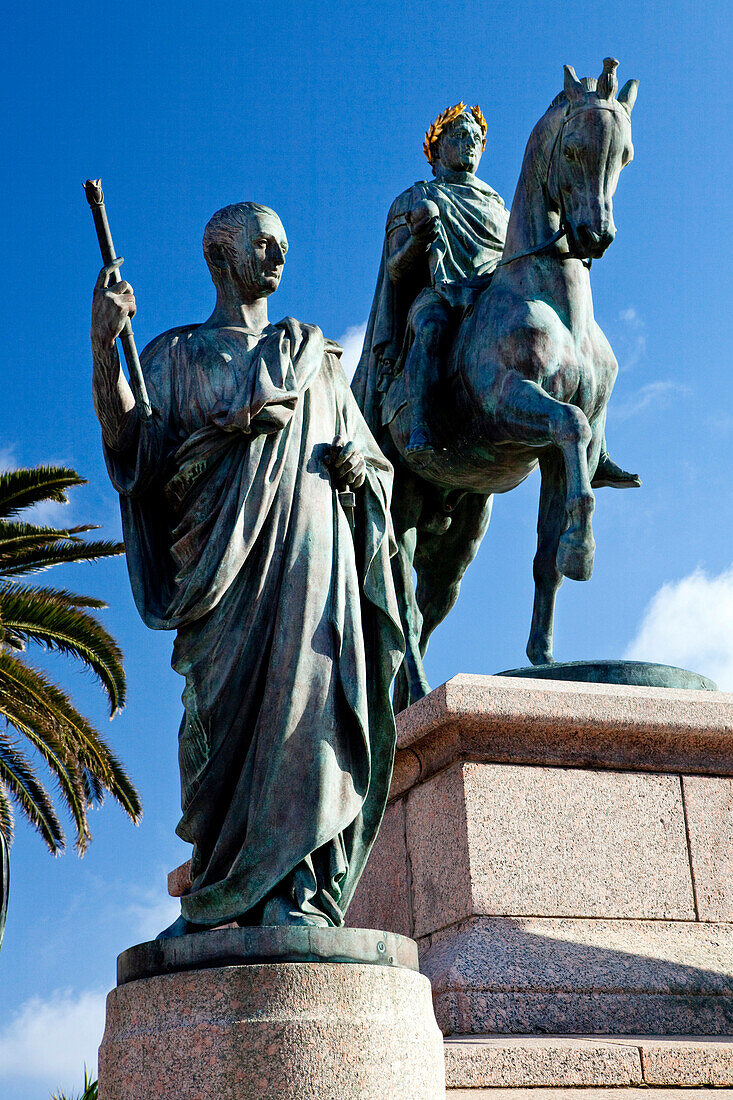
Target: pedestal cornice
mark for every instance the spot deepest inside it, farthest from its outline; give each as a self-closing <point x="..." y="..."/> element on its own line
<point x="501" y="719"/>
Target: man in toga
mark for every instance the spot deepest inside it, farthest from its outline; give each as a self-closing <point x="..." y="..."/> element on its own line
<point x="255" y="509"/>
<point x="443" y="240"/>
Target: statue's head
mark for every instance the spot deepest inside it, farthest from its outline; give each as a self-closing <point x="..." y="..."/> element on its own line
<point x="456" y="139"/>
<point x="245" y="244"/>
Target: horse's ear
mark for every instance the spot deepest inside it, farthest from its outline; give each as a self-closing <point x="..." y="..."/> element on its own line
<point x="627" y="95"/>
<point x="607" y="82"/>
<point x="573" y="88"/>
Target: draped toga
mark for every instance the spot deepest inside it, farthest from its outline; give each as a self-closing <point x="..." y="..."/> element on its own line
<point x="472" y="230"/>
<point x="287" y="627"/>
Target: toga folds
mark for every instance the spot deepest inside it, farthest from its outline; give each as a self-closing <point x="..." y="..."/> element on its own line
<point x="472" y="231"/>
<point x="287" y="627"/>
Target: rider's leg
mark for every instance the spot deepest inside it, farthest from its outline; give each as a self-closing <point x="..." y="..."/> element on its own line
<point x="422" y="368"/>
<point x="526" y="414"/>
<point x="551" y="521"/>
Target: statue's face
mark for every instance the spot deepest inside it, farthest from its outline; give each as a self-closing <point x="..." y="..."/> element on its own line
<point x="461" y="145"/>
<point x="262" y="254"/>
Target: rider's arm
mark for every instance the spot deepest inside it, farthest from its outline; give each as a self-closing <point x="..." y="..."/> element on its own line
<point x="408" y="247"/>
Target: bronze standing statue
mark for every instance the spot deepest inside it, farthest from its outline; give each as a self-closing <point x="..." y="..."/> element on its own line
<point x="482" y="357"/>
<point x="255" y="507"/>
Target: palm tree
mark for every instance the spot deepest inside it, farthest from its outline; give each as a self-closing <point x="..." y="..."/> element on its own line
<point x="91" y="1089"/>
<point x="35" y="709"/>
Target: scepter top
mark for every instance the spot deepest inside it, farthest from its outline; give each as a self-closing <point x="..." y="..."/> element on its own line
<point x="93" y="192"/>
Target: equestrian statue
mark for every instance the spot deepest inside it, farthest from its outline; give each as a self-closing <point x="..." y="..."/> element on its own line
<point x="482" y="358"/>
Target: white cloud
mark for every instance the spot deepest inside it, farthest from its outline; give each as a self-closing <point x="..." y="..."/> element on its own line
<point x="8" y="457"/>
<point x="654" y="395"/>
<point x="51" y="1040"/>
<point x="150" y="912"/>
<point x="629" y="340"/>
<point x="352" y="342"/>
<point x="690" y="623"/>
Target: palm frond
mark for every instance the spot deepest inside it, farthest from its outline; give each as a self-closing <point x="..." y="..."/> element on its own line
<point x="22" y="488"/>
<point x="64" y="767"/>
<point x="94" y="790"/>
<point x="19" y="533"/>
<point x="11" y="639"/>
<point x="83" y="765"/>
<point x="33" y="689"/>
<point x="23" y="784"/>
<point x="91" y="1090"/>
<point x="6" y="815"/>
<point x="34" y="559"/>
<point x="50" y="618"/>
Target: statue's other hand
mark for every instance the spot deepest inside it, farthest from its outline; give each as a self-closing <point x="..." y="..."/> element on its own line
<point x="347" y="465"/>
<point x="112" y="306"/>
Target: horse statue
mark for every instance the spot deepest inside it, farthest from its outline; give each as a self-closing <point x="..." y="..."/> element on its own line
<point x="525" y="381"/>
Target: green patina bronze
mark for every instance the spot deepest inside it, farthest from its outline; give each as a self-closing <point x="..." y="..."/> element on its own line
<point x="482" y="357"/>
<point x="631" y="673"/>
<point x="255" y="509"/>
<point x="245" y="946"/>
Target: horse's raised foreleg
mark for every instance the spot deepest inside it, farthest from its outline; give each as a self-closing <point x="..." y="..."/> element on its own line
<point x="526" y="414"/>
<point x="547" y="577"/>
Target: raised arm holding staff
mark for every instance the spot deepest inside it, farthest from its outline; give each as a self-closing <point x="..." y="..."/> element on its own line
<point x="106" y="328"/>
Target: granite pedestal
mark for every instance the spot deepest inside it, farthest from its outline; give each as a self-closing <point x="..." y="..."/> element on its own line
<point x="245" y="1014"/>
<point x="563" y="855"/>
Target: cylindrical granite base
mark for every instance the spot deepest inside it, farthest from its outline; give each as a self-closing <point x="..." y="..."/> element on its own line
<point x="290" y="1030"/>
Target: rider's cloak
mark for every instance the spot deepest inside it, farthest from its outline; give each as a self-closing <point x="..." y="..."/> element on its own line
<point x="287" y="627"/>
<point x="473" y="224"/>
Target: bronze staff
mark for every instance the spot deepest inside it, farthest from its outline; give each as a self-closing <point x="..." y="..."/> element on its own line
<point x="95" y="198"/>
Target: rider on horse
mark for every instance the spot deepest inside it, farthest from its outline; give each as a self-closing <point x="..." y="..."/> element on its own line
<point x="443" y="240"/>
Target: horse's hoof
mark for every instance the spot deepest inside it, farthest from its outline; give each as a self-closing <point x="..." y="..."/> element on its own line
<point x="540" y="656"/>
<point x="575" y="556"/>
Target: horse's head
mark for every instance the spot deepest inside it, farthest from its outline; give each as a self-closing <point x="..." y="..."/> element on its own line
<point x="592" y="145"/>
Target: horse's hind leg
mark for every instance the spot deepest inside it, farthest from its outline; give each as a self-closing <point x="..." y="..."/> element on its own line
<point x="547" y="577"/>
<point x="526" y="414"/>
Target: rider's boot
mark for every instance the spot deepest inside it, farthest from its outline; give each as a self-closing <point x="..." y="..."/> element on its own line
<point x="609" y="474"/>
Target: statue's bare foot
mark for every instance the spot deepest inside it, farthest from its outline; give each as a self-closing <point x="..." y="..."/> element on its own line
<point x="180" y="927"/>
<point x="609" y="474"/>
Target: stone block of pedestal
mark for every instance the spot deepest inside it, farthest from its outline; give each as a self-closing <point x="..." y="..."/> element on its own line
<point x="243" y="1014"/>
<point x="562" y="854"/>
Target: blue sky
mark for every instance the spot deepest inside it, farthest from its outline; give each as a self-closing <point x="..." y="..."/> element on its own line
<point x="319" y="111"/>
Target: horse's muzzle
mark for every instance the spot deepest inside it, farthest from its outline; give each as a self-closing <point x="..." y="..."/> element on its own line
<point x="586" y="243"/>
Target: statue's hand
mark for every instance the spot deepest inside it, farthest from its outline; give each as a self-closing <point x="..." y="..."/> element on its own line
<point x="111" y="307"/>
<point x="424" y="222"/>
<point x="347" y="465"/>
